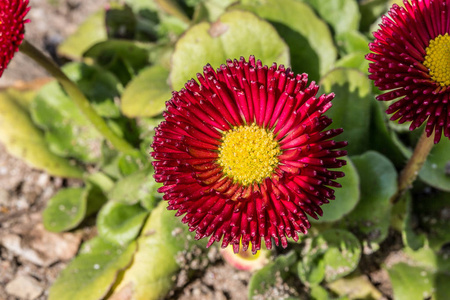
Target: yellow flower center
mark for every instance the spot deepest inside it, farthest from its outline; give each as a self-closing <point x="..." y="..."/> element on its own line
<point x="248" y="154"/>
<point x="437" y="59"/>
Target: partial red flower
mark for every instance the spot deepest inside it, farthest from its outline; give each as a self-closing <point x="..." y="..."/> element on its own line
<point x="245" y="155"/>
<point x="411" y="62"/>
<point x="12" y="29"/>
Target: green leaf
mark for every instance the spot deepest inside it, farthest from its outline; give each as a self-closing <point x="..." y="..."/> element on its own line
<point x="425" y="276"/>
<point x="382" y="138"/>
<point x="100" y="87"/>
<point x="429" y="259"/>
<point x="102" y="181"/>
<point x="436" y="170"/>
<point x="173" y="8"/>
<point x="24" y="140"/>
<point x="68" y="208"/>
<point x="120" y="21"/>
<point x="354" y="60"/>
<point x="121" y="57"/>
<point x="89" y="33"/>
<point x="92" y="273"/>
<point x="234" y="35"/>
<point x="357" y="287"/>
<point x="142" y="5"/>
<point x="340" y="250"/>
<point x="418" y="283"/>
<point x="346" y="197"/>
<point x="263" y="281"/>
<point x="310" y="41"/>
<point x="371" y="217"/>
<point x="433" y="212"/>
<point x="317" y="292"/>
<point x="215" y="8"/>
<point x="342" y="15"/>
<point x="146" y="95"/>
<point x="353" y="41"/>
<point x="162" y="239"/>
<point x="65" y="210"/>
<point x="351" y="106"/>
<point x="370" y="11"/>
<point x="411" y="237"/>
<point x="67" y="131"/>
<point x="147" y="131"/>
<point x="311" y="268"/>
<point x="137" y="187"/>
<point x="120" y="223"/>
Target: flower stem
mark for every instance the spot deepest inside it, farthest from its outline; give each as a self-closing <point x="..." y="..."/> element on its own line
<point x="415" y="163"/>
<point x="78" y="97"/>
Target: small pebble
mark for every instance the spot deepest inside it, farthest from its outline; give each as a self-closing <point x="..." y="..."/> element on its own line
<point x="24" y="287"/>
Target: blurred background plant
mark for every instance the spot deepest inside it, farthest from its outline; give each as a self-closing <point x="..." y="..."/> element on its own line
<point x="128" y="57"/>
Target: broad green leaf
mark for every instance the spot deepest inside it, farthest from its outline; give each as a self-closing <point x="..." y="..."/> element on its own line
<point x="92" y="31"/>
<point x="147" y="131"/>
<point x="342" y="15"/>
<point x="92" y="273"/>
<point x="161" y="54"/>
<point x="142" y="5"/>
<point x="411" y="237"/>
<point x="351" y="106"/>
<point x="235" y="34"/>
<point x="128" y="164"/>
<point x="418" y="283"/>
<point x="436" y="170"/>
<point x="146" y="95"/>
<point x="137" y="187"/>
<point x="311" y="267"/>
<point x="382" y="138"/>
<point x="335" y="251"/>
<point x="23" y="139"/>
<point x="353" y="41"/>
<point x="120" y="223"/>
<point x="378" y="181"/>
<point x="263" y="281"/>
<point x="216" y="7"/>
<point x="162" y="239"/>
<point x="170" y="27"/>
<point x="318" y="292"/>
<point x="22" y="95"/>
<point x="425" y="276"/>
<point x="67" y="130"/>
<point x="309" y="39"/>
<point x="342" y="254"/>
<point x="370" y="11"/>
<point x="121" y="57"/>
<point x="120" y="21"/>
<point x="173" y="8"/>
<point x="428" y="258"/>
<point x="67" y="208"/>
<point x="102" y="181"/>
<point x="353" y="46"/>
<point x="433" y="212"/>
<point x="100" y="87"/>
<point x="347" y="196"/>
<point x="354" y="60"/>
<point x="358" y="287"/>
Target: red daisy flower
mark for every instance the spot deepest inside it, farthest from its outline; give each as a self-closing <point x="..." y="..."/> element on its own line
<point x="245" y="155"/>
<point x="411" y="62"/>
<point x="12" y="29"/>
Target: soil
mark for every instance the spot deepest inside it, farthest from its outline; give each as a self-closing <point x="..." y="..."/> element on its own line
<point x="31" y="258"/>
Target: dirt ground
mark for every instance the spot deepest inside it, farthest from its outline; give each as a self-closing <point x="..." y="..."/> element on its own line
<point x="30" y="257"/>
